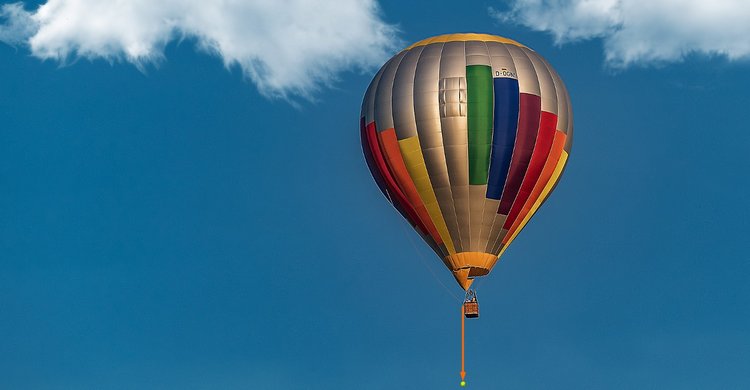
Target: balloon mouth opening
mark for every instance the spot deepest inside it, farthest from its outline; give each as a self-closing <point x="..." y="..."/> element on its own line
<point x="465" y="276"/>
<point x="466" y="266"/>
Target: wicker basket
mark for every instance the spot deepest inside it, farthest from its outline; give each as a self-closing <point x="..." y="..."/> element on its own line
<point x="471" y="309"/>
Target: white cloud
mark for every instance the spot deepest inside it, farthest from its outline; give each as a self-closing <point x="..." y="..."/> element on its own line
<point x="19" y="25"/>
<point x="286" y="47"/>
<point x="642" y="31"/>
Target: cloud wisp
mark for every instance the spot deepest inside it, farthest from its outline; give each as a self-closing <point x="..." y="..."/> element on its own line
<point x="285" y="47"/>
<point x="642" y="32"/>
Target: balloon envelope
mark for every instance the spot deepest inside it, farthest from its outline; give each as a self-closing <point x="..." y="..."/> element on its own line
<point x="467" y="135"/>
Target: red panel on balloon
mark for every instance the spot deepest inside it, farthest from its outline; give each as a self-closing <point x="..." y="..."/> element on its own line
<point x="547" y="126"/>
<point x="394" y="193"/>
<point x="369" y="159"/>
<point x="530" y="109"/>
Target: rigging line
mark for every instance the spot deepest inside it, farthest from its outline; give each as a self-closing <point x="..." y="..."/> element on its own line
<point x="419" y="254"/>
<point x="478" y="282"/>
<point x="424" y="262"/>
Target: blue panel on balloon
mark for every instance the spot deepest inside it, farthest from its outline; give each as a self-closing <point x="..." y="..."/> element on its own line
<point x="503" y="135"/>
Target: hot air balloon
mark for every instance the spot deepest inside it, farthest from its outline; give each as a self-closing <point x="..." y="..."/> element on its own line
<point x="467" y="135"/>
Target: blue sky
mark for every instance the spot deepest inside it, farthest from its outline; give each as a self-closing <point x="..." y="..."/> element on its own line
<point x="176" y="228"/>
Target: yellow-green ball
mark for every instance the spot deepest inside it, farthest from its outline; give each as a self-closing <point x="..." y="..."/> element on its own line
<point x="463" y="383"/>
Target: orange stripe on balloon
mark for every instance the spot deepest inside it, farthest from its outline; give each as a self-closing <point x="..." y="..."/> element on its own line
<point x="392" y="153"/>
<point x="558" y="142"/>
<point x="394" y="193"/>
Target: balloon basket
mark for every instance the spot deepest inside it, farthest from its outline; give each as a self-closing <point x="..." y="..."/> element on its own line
<point x="471" y="310"/>
<point x="471" y="305"/>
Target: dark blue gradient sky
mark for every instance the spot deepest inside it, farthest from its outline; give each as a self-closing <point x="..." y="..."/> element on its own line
<point x="176" y="230"/>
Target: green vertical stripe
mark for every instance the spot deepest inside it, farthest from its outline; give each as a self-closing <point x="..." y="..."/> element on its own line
<point x="479" y="116"/>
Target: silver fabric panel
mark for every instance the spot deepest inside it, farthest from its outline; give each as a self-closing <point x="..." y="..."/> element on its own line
<point x="564" y="124"/>
<point x="494" y="244"/>
<point x="477" y="197"/>
<point x="434" y="159"/>
<point x="457" y="160"/>
<point x="368" y="104"/>
<point x="501" y="61"/>
<point x="527" y="80"/>
<point x="562" y="100"/>
<point x="427" y="113"/>
<point x="491" y="223"/>
<point x="495" y="236"/>
<point x="489" y="213"/>
<point x="546" y="84"/>
<point x="425" y="100"/>
<point x="438" y="249"/>
<point x="565" y="109"/>
<point x="477" y="53"/>
<point x="383" y="94"/>
<point x="403" y="95"/>
<point x="569" y="138"/>
<point x="495" y="229"/>
<point x="455" y="137"/>
<point x="499" y="243"/>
